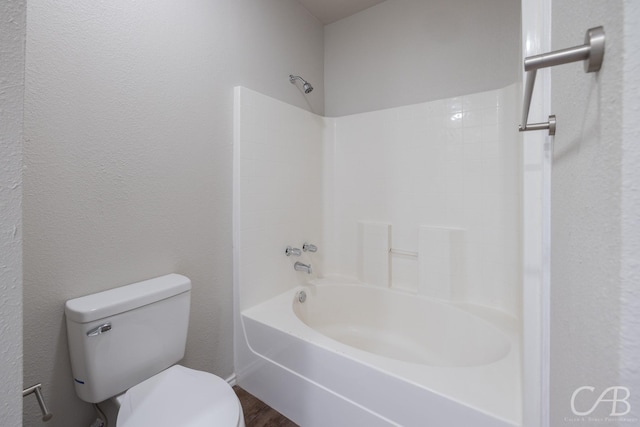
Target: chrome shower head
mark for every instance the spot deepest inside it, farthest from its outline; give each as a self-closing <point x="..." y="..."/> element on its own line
<point x="307" y="87"/>
<point x="305" y="84"/>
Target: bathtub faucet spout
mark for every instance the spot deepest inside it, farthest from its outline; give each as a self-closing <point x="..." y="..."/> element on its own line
<point x="298" y="266"/>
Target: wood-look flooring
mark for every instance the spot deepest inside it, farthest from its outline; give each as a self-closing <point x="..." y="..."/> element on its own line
<point x="259" y="414"/>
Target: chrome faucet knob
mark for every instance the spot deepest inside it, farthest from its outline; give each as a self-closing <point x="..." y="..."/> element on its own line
<point x="292" y="251"/>
<point x="308" y="247"/>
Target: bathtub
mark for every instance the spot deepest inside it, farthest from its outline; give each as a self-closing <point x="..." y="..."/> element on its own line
<point x="345" y="354"/>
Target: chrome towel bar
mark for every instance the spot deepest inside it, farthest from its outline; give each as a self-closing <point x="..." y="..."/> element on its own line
<point x="36" y="389"/>
<point x="591" y="52"/>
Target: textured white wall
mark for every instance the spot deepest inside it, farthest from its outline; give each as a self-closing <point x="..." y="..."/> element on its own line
<point x="12" y="39"/>
<point x="594" y="214"/>
<point x="630" y="266"/>
<point x="451" y="163"/>
<point x="403" y="52"/>
<point x="128" y="154"/>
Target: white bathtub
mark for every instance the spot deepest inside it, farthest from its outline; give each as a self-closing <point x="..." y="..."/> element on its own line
<point x="354" y="355"/>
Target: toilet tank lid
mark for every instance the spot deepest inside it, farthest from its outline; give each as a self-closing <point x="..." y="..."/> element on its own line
<point x="124" y="298"/>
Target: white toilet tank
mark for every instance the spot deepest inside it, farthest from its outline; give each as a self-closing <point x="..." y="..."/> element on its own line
<point x="120" y="337"/>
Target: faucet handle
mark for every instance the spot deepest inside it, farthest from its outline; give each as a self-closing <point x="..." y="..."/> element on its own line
<point x="308" y="247"/>
<point x="292" y="251"/>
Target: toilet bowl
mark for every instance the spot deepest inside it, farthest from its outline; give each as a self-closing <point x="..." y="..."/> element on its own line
<point x="180" y="396"/>
<point x="124" y="344"/>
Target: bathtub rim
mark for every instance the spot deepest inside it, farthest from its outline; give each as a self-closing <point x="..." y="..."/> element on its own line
<point x="505" y="322"/>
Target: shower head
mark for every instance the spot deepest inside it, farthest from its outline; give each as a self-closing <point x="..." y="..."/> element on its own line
<point x="305" y="84"/>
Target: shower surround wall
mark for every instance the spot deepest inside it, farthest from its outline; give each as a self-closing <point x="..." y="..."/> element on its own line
<point x="426" y="170"/>
<point x="277" y="193"/>
<point x="441" y="173"/>
<point x="436" y="180"/>
<point x="277" y="202"/>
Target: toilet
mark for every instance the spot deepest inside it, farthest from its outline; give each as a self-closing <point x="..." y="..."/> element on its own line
<point x="124" y="344"/>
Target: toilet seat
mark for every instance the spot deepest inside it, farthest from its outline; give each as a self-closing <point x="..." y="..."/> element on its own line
<point x="180" y="396"/>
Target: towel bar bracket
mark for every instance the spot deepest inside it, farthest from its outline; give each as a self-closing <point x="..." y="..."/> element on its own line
<point x="591" y="52"/>
<point x="37" y="390"/>
<point x="550" y="125"/>
<point x="595" y="39"/>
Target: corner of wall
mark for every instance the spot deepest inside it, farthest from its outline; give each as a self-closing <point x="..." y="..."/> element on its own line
<point x="12" y="40"/>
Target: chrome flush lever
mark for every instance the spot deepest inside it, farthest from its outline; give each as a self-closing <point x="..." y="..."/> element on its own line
<point x="105" y="327"/>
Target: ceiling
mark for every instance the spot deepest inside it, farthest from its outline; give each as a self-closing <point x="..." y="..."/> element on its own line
<point x="328" y="11"/>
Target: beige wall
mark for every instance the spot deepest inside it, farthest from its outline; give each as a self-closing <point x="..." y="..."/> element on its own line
<point x="128" y="159"/>
<point x="12" y="37"/>
<point x="402" y="52"/>
<point x="595" y="217"/>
